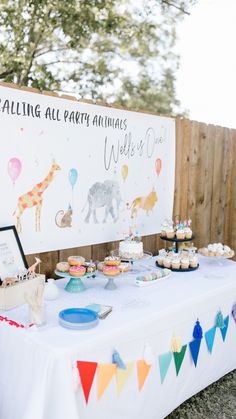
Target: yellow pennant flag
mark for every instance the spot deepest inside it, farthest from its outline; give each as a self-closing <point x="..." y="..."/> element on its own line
<point x="122" y="376"/>
<point x="105" y="373"/>
<point x="143" y="371"/>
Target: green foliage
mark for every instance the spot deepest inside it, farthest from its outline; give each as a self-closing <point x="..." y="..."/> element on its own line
<point x="99" y="49"/>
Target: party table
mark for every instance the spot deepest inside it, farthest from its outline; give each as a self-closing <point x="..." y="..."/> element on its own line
<point x="52" y="373"/>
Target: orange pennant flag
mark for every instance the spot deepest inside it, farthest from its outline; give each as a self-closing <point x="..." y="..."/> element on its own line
<point x="86" y="371"/>
<point x="143" y="371"/>
<point x="105" y="373"/>
<point x="122" y="376"/>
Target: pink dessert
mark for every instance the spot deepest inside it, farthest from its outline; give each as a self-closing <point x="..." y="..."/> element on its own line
<point x="111" y="270"/>
<point x="77" y="270"/>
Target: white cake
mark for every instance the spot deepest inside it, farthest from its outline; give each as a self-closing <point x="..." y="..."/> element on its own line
<point x="131" y="249"/>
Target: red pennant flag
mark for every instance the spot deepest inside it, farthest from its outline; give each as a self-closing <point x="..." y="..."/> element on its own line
<point x="86" y="371"/>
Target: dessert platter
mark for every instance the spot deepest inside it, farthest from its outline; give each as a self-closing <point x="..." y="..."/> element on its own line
<point x="177" y="262"/>
<point x="111" y="269"/>
<point x="152" y="277"/>
<point x="75" y="268"/>
<point x="217" y="251"/>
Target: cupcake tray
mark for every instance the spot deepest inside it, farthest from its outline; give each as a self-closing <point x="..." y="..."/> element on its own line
<point x="179" y="270"/>
<point x="176" y="241"/>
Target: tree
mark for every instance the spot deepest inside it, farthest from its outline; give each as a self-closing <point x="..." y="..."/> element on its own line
<point x="99" y="49"/>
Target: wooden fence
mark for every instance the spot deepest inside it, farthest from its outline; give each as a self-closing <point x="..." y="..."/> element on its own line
<point x="205" y="191"/>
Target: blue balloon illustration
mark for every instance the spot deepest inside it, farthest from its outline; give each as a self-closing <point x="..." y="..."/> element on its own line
<point x="73" y="175"/>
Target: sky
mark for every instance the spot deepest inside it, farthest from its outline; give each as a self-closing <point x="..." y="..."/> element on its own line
<point x="206" y="80"/>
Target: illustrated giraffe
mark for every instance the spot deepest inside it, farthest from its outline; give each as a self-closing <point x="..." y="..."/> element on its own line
<point x="34" y="198"/>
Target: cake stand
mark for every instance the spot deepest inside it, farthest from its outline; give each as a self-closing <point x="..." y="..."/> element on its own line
<point x="177" y="241"/>
<point x="110" y="285"/>
<point x="75" y="283"/>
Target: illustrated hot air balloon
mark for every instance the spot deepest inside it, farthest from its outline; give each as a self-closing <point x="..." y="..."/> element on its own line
<point x="14" y="168"/>
<point x="158" y="166"/>
<point x="73" y="176"/>
<point x="124" y="171"/>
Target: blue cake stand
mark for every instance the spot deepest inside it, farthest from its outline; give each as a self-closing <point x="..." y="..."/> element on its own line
<point x="75" y="283"/>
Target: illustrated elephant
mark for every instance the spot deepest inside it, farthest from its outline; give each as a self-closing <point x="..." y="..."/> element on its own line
<point x="102" y="195"/>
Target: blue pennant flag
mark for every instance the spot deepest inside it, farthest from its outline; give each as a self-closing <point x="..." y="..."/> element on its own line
<point x="210" y="337"/>
<point x="224" y="330"/>
<point x="164" y="363"/>
<point x="194" y="347"/>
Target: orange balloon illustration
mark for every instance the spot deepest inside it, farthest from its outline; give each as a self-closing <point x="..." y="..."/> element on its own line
<point x="158" y="166"/>
<point x="124" y="171"/>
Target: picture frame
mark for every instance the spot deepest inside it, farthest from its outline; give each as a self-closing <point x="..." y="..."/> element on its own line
<point x="12" y="257"/>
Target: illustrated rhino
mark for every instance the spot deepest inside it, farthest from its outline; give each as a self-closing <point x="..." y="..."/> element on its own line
<point x="102" y="195"/>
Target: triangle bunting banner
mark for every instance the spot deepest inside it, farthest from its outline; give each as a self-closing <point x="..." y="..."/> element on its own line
<point x="105" y="373"/>
<point x="122" y="376"/>
<point x="142" y="371"/>
<point x="179" y="357"/>
<point x="224" y="330"/>
<point x="194" y="347"/>
<point x="86" y="371"/>
<point x="164" y="363"/>
<point x="210" y="337"/>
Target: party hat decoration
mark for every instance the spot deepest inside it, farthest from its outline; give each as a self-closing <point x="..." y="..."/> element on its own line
<point x="179" y="357"/>
<point x="142" y="371"/>
<point x="116" y="359"/>
<point x="220" y="320"/>
<point x="224" y="329"/>
<point x="210" y="337"/>
<point x="197" y="331"/>
<point x="164" y="363"/>
<point x="176" y="344"/>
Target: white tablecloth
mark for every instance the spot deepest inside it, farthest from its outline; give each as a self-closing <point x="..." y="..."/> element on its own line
<point x="36" y="379"/>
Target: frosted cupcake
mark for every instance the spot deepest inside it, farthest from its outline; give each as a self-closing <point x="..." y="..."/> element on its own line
<point x="175" y="264"/>
<point x="170" y="233"/>
<point x="188" y="232"/>
<point x="160" y="260"/>
<point x="180" y="233"/>
<point x="167" y="262"/>
<point x="184" y="263"/>
<point x="193" y="261"/>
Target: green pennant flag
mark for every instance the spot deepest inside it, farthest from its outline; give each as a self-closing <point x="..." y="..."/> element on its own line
<point x="179" y="357"/>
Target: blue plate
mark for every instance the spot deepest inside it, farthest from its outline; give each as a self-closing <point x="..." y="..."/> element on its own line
<point x="78" y="318"/>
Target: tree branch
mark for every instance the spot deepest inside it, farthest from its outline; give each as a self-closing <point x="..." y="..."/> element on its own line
<point x="175" y="6"/>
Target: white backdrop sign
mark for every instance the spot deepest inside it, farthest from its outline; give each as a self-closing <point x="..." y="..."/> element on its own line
<point x="74" y="174"/>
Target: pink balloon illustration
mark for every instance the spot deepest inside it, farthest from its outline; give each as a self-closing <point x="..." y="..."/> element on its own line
<point x="158" y="166"/>
<point x="14" y="168"/>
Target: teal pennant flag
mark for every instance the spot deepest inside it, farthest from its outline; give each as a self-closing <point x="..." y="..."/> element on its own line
<point x="164" y="363"/>
<point x="179" y="357"/>
<point x="194" y="347"/>
<point x="210" y="337"/>
<point x="225" y="328"/>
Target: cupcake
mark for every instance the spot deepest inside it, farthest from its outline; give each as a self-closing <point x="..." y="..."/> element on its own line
<point x="167" y="262"/>
<point x="170" y="233"/>
<point x="175" y="263"/>
<point x="184" y="263"/>
<point x="180" y="233"/>
<point x="160" y="260"/>
<point x="193" y="261"/>
<point x="188" y="232"/>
